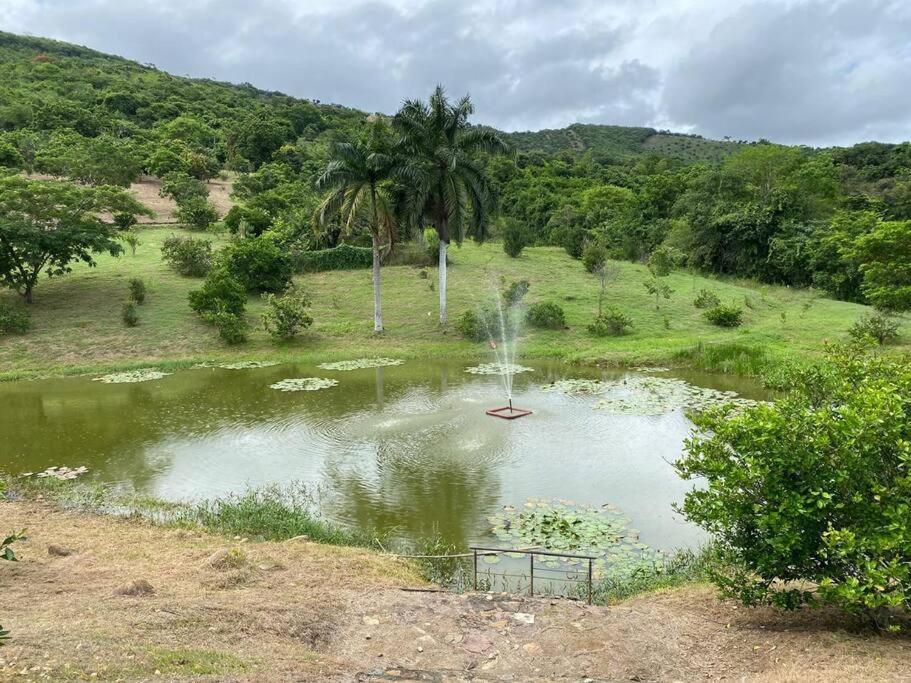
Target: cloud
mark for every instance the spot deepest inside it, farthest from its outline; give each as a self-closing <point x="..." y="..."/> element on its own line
<point x="810" y="71"/>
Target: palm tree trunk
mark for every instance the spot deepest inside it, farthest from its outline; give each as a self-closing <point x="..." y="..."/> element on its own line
<point x="443" y="246"/>
<point x="377" y="303"/>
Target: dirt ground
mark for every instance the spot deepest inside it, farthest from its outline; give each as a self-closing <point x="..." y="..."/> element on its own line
<point x="146" y="191"/>
<point x="96" y="598"/>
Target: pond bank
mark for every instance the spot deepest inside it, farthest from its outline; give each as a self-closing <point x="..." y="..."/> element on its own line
<point x="300" y="610"/>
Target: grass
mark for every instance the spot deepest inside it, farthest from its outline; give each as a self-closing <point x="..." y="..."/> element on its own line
<point x="684" y="567"/>
<point x="77" y="326"/>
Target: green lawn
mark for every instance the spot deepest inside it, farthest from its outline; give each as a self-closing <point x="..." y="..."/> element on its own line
<point x="77" y="325"/>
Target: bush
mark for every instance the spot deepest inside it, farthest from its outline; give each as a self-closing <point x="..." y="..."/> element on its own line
<point x="811" y="490"/>
<point x="611" y="323"/>
<point x="594" y="256"/>
<point x="706" y="299"/>
<point x="472" y="326"/>
<point x="663" y="260"/>
<point x="181" y="186"/>
<point x="196" y="212"/>
<point x="547" y="315"/>
<point x="258" y="264"/>
<point x="515" y="292"/>
<point x="342" y="257"/>
<point x="725" y="315"/>
<point x="231" y="328"/>
<point x="572" y="239"/>
<point x="129" y="314"/>
<point x="132" y="240"/>
<point x="514" y="237"/>
<point x="220" y="293"/>
<point x="124" y="220"/>
<point x="432" y="240"/>
<point x="13" y="319"/>
<point x="137" y="290"/>
<point x="878" y="326"/>
<point x="253" y="220"/>
<point x="286" y="315"/>
<point x="187" y="255"/>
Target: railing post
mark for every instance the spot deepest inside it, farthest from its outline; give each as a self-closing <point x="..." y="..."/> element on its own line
<point x="531" y="568"/>
<point x="475" y="569"/>
<point x="589" y="581"/>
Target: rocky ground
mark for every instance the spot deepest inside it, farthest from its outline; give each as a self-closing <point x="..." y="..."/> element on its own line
<point x="96" y="598"/>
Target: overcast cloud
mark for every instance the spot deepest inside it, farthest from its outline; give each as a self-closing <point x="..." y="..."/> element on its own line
<point x="813" y="72"/>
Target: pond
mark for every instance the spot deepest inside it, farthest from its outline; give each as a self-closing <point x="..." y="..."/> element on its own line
<point x="405" y="449"/>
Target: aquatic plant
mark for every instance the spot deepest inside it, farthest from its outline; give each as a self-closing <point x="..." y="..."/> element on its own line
<point x="61" y="473"/>
<point x="361" y="363"/>
<point x="242" y="365"/>
<point x="304" y="384"/>
<point x="129" y="376"/>
<point x="658" y="395"/>
<point x="498" y="369"/>
<point x="577" y="386"/>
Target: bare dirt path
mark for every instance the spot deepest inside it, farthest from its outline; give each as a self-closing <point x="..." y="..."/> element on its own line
<point x="96" y="598"/>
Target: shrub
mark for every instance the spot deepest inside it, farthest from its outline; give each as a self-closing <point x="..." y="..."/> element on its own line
<point x="196" y="212"/>
<point x="811" y="490"/>
<point x="181" y="186"/>
<point x="611" y="323"/>
<point x="13" y="319"/>
<point x="572" y="239"/>
<point x="547" y="315"/>
<point x="124" y="220"/>
<point x="187" y="255"/>
<point x="663" y="260"/>
<point x="286" y="315"/>
<point x="706" y="299"/>
<point x="725" y="315"/>
<point x="258" y="264"/>
<point x="137" y="290"/>
<point x="594" y="256"/>
<point x="249" y="220"/>
<point x="132" y="240"/>
<point x="878" y="326"/>
<point x="472" y="326"/>
<point x="232" y="328"/>
<point x="342" y="257"/>
<point x="432" y="240"/>
<point x="515" y="291"/>
<point x="514" y="237"/>
<point x="129" y="314"/>
<point x="220" y="293"/>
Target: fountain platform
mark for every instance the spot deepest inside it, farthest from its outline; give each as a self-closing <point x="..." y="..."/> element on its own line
<point x="508" y="412"/>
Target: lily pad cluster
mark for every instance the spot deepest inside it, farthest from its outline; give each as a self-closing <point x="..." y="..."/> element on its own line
<point x="62" y="473"/>
<point x="564" y="526"/>
<point x="498" y="369"/>
<point x="658" y="395"/>
<point x="577" y="386"/>
<point x="650" y="368"/>
<point x="304" y="384"/>
<point x="361" y="363"/>
<point x="248" y="364"/>
<point x="130" y="376"/>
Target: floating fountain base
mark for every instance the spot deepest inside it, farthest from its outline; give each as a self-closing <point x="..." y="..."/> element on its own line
<point x="508" y="412"/>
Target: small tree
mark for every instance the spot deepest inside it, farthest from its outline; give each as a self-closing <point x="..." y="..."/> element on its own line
<point x="514" y="237"/>
<point x="286" y="315"/>
<point x="659" y="290"/>
<point x="132" y="241"/>
<point x="46" y="225"/>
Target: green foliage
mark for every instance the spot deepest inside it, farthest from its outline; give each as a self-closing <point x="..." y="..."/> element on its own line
<point x="546" y="314"/>
<point x="196" y="212"/>
<point x="515" y="291"/>
<point x="706" y="299"/>
<point x="658" y="289"/>
<point x="137" y="290"/>
<point x="663" y="260"/>
<point x="28" y="248"/>
<point x="432" y="240"/>
<point x="6" y="546"/>
<point x="232" y="328"/>
<point x="13" y="319"/>
<point x="257" y="263"/>
<point x="612" y="322"/>
<point x="129" y="314"/>
<point x="514" y="237"/>
<point x="189" y="256"/>
<point x="885" y="255"/>
<point x="877" y="326"/>
<point x="132" y="240"/>
<point x="472" y="325"/>
<point x="812" y="490"/>
<point x="181" y="186"/>
<point x="124" y="221"/>
<point x="594" y="256"/>
<point x="725" y="315"/>
<point x="342" y="257"/>
<point x="220" y="293"/>
<point x="286" y="315"/>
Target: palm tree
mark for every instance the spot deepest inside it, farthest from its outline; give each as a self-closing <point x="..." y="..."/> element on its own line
<point x="443" y="183"/>
<point x="356" y="178"/>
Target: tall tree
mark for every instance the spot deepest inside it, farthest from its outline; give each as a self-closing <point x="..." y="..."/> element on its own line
<point x="46" y="225"/>
<point x="357" y="177"/>
<point x="445" y="185"/>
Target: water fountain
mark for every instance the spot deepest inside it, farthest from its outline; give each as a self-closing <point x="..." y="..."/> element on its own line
<point x="506" y="359"/>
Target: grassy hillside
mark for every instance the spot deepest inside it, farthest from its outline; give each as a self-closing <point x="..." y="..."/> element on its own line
<point x="77" y="325"/>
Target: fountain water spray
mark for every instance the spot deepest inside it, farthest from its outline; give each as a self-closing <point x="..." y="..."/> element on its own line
<point x="506" y="359"/>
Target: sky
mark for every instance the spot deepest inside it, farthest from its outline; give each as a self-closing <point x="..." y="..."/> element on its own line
<point x="814" y="72"/>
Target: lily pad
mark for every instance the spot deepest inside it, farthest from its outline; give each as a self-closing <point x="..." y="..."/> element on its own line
<point x="304" y="384"/>
<point x="131" y="376"/>
<point x="498" y="369"/>
<point x="361" y="363"/>
<point x="248" y="364"/>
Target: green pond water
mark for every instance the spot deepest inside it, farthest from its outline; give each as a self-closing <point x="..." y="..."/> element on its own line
<point x="404" y="449"/>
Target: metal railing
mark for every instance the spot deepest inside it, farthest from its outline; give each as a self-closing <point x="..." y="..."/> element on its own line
<point x="571" y="576"/>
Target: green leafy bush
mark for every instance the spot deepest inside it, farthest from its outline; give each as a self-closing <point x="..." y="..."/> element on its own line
<point x="472" y="326"/>
<point x="432" y="240"/>
<point x="546" y="314"/>
<point x="515" y="291"/>
<point x="124" y="220"/>
<point x="220" y="293"/>
<point x="484" y="324"/>
<point x="258" y="264"/>
<point x="286" y="315"/>
<point x="196" y="212"/>
<point x="13" y="319"/>
<point x="181" y="186"/>
<point x="725" y="315"/>
<point x="137" y="290"/>
<point x="706" y="299"/>
<point x="594" y="256"/>
<point x="129" y="314"/>
<point x="611" y="323"/>
<point x="877" y="325"/>
<point x="188" y="255"/>
<point x="132" y="240"/>
<point x="514" y="237"/>
<point x="232" y="328"/>
<point x="807" y="497"/>
<point x="342" y="257"/>
<point x="253" y="220"/>
<point x="663" y="260"/>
